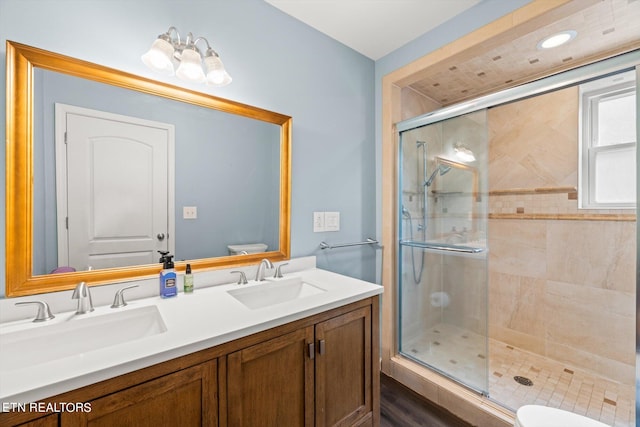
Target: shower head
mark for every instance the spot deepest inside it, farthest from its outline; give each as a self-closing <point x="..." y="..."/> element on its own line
<point x="420" y="143"/>
<point x="441" y="170"/>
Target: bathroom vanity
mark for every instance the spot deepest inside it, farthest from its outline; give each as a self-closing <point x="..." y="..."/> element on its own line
<point x="291" y="351"/>
<point x="228" y="355"/>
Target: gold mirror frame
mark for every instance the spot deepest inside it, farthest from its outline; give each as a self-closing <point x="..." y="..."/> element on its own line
<point x="21" y="61"/>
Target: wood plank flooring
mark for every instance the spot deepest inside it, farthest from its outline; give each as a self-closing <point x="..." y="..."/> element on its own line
<point x="401" y="407"/>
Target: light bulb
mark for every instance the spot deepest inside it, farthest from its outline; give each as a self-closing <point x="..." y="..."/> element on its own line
<point x="556" y="39"/>
<point x="190" y="68"/>
<point x="463" y="153"/>
<point x="216" y="74"/>
<point x="159" y="57"/>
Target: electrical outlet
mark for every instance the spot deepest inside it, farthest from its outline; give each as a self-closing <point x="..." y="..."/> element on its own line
<point x="318" y="222"/>
<point x="332" y="221"/>
<point x="189" y="212"/>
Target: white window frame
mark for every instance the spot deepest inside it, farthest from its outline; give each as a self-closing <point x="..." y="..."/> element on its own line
<point x="590" y="94"/>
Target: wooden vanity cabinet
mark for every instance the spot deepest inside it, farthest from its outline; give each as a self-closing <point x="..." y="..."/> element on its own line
<point x="317" y="375"/>
<point x="186" y="398"/>
<point x="50" y="420"/>
<point x="179" y="392"/>
<point x="270" y="383"/>
<point x="318" y="371"/>
<point x="344" y="366"/>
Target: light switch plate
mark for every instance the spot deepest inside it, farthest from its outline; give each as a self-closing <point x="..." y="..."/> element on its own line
<point x="318" y="222"/>
<point x="189" y="212"/>
<point x="332" y="221"/>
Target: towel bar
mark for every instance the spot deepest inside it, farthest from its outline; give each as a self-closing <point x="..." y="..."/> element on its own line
<point x="369" y="241"/>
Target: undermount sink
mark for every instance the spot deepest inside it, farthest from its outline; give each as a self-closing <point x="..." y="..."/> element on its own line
<point x="41" y="344"/>
<point x="269" y="293"/>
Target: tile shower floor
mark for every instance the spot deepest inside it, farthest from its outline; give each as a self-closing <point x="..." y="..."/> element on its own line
<point x="462" y="354"/>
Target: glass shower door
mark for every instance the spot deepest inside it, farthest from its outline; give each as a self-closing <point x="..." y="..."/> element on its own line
<point x="442" y="252"/>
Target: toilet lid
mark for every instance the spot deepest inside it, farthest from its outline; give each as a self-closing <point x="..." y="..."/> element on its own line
<point x="543" y="416"/>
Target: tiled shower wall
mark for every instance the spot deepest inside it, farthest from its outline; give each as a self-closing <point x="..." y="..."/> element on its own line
<point x="561" y="280"/>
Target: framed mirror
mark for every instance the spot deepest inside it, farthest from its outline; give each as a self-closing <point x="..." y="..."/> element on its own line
<point x="230" y="160"/>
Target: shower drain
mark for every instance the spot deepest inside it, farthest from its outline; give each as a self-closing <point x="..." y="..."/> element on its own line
<point x="523" y="380"/>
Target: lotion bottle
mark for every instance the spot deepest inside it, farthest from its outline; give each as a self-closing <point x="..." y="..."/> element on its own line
<point x="188" y="280"/>
<point x="168" y="285"/>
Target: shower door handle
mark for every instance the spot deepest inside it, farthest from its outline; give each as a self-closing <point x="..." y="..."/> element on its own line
<point x="444" y="247"/>
<point x="454" y="248"/>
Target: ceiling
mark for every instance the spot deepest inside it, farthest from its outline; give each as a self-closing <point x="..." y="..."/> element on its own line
<point x="373" y="27"/>
<point x="605" y="28"/>
<point x="377" y="27"/>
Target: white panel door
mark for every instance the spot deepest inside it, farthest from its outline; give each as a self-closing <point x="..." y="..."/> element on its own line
<point x="119" y="173"/>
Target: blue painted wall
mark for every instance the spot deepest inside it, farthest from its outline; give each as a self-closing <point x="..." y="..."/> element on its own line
<point x="277" y="63"/>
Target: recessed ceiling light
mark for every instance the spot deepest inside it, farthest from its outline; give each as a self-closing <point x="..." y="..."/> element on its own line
<point x="557" y="39"/>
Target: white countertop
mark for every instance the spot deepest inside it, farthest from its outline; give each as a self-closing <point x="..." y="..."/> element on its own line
<point x="208" y="317"/>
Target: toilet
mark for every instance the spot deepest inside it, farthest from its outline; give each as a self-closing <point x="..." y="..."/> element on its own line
<point x="543" y="416"/>
<point x="250" y="248"/>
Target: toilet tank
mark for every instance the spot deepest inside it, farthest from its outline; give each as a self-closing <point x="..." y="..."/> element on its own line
<point x="250" y="248"/>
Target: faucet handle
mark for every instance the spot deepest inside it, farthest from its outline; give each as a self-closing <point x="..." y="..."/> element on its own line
<point x="242" y="280"/>
<point x="118" y="300"/>
<point x="43" y="310"/>
<point x="278" y="274"/>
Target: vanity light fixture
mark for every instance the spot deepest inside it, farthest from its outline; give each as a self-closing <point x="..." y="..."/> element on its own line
<point x="463" y="153"/>
<point x="557" y="39"/>
<point x="166" y="52"/>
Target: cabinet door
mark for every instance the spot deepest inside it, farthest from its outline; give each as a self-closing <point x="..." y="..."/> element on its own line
<point x="185" y="398"/>
<point x="271" y="384"/>
<point x="343" y="369"/>
<point x="48" y="421"/>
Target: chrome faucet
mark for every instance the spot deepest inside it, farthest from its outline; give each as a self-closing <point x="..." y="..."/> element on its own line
<point x="83" y="295"/>
<point x="265" y="263"/>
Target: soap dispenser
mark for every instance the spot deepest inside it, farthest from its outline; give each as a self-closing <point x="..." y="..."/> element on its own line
<point x="168" y="283"/>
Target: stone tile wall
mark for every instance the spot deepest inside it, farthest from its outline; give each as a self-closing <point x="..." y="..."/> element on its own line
<point x="564" y="286"/>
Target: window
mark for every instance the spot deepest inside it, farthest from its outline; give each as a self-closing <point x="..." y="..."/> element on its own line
<point x="608" y="143"/>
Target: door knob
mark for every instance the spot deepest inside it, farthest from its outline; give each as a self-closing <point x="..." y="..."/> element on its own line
<point x="160" y="236"/>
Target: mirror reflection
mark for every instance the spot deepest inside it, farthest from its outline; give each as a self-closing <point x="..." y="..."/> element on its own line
<point x="441" y="190"/>
<point x="120" y="175"/>
<point x="222" y="168"/>
<point x="455" y="196"/>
